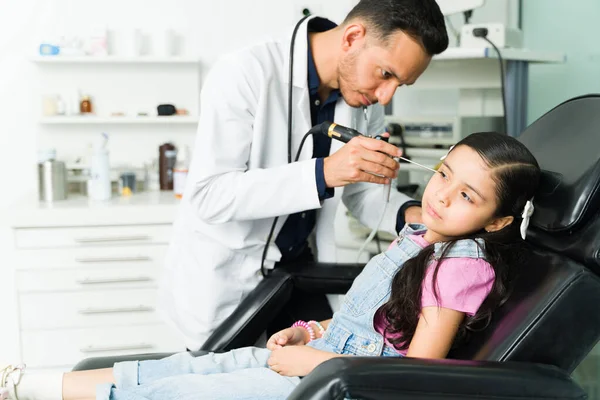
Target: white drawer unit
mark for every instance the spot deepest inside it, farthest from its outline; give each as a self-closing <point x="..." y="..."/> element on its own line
<point x="86" y="291"/>
<point x="60" y="348"/>
<point x="32" y="238"/>
<point x="107" y="256"/>
<point x="87" y="309"/>
<point x="96" y="278"/>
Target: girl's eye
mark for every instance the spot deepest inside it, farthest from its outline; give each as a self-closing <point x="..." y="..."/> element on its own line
<point x="443" y="174"/>
<point x="385" y="74"/>
<point x="466" y="197"/>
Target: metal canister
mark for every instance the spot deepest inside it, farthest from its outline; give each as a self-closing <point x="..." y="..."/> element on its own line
<point x="52" y="177"/>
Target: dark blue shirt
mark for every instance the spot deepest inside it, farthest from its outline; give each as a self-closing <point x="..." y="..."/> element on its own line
<point x="292" y="239"/>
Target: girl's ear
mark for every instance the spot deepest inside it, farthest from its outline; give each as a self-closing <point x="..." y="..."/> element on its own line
<point x="499" y="223"/>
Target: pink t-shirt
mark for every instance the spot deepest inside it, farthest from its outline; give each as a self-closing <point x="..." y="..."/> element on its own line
<point x="462" y="285"/>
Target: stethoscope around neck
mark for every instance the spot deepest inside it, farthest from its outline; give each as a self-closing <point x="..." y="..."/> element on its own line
<point x="289" y="129"/>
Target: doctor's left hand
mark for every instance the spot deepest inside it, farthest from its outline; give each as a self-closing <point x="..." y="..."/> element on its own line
<point x="297" y="360"/>
<point x="362" y="159"/>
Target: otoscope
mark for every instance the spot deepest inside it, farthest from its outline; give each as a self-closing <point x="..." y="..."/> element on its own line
<point x="345" y="134"/>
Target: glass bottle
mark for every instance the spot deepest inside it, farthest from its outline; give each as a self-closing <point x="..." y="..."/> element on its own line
<point x="85" y="107"/>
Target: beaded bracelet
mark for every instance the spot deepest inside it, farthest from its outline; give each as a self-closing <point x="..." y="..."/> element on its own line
<point x="318" y="324"/>
<point x="303" y="324"/>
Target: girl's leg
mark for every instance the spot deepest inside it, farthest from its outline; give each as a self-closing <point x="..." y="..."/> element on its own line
<point x="84" y="384"/>
<point x="79" y="385"/>
<point x="29" y="385"/>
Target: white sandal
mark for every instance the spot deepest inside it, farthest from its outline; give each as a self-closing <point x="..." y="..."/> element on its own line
<point x="10" y="377"/>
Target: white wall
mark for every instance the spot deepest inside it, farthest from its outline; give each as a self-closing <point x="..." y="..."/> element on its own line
<point x="570" y="28"/>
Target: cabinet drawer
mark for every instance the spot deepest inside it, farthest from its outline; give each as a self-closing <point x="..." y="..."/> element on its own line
<point x="32" y="238"/>
<point x="60" y="348"/>
<point x="88" y="309"/>
<point x="92" y="257"/>
<point x="88" y="279"/>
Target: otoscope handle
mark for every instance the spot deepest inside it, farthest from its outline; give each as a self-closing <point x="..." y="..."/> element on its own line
<point x="339" y="132"/>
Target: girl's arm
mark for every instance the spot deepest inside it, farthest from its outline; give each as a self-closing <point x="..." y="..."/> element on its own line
<point x="435" y="332"/>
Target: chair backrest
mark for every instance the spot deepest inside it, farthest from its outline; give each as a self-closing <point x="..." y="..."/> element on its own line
<point x="552" y="316"/>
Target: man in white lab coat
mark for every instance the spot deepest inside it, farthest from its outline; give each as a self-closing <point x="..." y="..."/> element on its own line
<point x="240" y="178"/>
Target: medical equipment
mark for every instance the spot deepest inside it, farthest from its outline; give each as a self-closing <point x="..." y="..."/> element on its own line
<point x="442" y="130"/>
<point x="290" y="105"/>
<point x="345" y="134"/>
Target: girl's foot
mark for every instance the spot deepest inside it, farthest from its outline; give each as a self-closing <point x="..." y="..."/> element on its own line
<point x="10" y="377"/>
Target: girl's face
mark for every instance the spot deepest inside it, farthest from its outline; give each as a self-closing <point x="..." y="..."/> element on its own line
<point x="461" y="198"/>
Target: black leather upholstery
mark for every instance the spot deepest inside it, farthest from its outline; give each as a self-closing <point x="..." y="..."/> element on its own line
<point x="548" y="325"/>
<point x="566" y="143"/>
<point x="245" y="325"/>
<point x="416" y="379"/>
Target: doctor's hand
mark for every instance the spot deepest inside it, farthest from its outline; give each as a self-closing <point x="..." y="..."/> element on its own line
<point x="359" y="160"/>
<point x="296" y="336"/>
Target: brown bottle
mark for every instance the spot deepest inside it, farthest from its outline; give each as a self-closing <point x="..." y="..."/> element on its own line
<point x="166" y="161"/>
<point x="85" y="107"/>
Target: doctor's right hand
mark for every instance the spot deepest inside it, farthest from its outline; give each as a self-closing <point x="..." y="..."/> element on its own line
<point x="288" y="337"/>
<point x="361" y="160"/>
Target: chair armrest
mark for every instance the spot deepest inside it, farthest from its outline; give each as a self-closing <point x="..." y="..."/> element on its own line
<point x="378" y="378"/>
<point x="326" y="278"/>
<point x="249" y="320"/>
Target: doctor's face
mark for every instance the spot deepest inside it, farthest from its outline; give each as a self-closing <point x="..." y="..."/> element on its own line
<point x="371" y="70"/>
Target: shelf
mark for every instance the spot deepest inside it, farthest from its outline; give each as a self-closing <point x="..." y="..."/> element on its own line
<point x="459" y="53"/>
<point x="166" y="120"/>
<point x="114" y="60"/>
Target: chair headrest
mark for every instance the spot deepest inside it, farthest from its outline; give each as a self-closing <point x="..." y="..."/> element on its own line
<point x="566" y="143"/>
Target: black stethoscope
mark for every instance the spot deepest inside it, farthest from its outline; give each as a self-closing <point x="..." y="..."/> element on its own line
<point x="290" y="114"/>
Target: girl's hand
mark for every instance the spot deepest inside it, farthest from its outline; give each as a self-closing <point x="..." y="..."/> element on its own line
<point x="288" y="337"/>
<point x="297" y="360"/>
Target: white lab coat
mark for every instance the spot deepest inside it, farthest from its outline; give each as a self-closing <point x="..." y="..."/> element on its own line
<point x="240" y="180"/>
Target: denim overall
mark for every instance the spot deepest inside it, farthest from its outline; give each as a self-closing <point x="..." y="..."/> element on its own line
<point x="244" y="373"/>
<point x="351" y="330"/>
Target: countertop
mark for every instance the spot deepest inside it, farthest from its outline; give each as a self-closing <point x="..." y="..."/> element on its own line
<point x="140" y="208"/>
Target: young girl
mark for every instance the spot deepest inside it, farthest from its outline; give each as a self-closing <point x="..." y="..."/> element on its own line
<point x="436" y="283"/>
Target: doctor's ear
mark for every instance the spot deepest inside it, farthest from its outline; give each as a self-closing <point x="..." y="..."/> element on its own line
<point x="353" y="35"/>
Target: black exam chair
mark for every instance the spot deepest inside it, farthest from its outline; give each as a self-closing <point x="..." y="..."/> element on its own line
<point x="535" y="340"/>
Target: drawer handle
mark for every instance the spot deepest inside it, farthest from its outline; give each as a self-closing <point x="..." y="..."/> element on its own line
<point x="92" y="311"/>
<point x="92" y="349"/>
<point x="111" y="239"/>
<point x="112" y="259"/>
<point x="90" y="281"/>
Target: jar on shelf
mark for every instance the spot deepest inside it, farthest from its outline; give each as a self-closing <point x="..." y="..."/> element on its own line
<point x="85" y="107"/>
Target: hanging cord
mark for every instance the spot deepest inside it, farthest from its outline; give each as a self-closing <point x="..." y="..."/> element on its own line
<point x="482" y="33"/>
<point x="372" y="235"/>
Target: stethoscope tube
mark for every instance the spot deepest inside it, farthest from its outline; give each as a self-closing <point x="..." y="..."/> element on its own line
<point x="290" y="121"/>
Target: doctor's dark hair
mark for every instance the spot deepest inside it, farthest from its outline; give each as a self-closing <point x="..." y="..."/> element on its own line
<point x="420" y="19"/>
<point x="516" y="174"/>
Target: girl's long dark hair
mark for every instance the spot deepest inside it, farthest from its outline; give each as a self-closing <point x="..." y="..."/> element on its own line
<point x="516" y="174"/>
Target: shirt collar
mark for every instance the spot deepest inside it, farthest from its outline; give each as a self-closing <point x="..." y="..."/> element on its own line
<point x="317" y="25"/>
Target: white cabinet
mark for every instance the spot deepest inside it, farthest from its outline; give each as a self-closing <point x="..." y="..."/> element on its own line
<point x="91" y="290"/>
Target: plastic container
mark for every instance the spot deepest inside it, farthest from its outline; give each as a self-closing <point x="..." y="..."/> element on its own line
<point x="180" y="173"/>
<point x="99" y="185"/>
